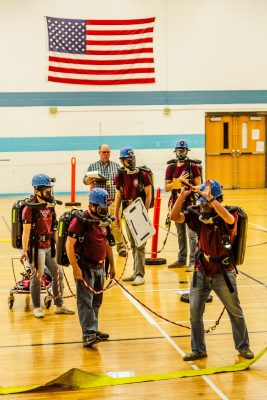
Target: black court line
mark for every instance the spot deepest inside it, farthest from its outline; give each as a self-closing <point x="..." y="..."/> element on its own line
<point x="257" y="244"/>
<point x="253" y="279"/>
<point x="165" y="229"/>
<point x="241" y="272"/>
<point x="123" y="340"/>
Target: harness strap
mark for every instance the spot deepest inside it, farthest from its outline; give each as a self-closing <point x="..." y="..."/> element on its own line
<point x="34" y="247"/>
<point x="230" y="251"/>
<point x="43" y="238"/>
<point x="226" y="278"/>
<point x="219" y="262"/>
<point x="140" y="183"/>
<point x="190" y="199"/>
<point x="33" y="250"/>
<point x="35" y="239"/>
<point x="53" y="247"/>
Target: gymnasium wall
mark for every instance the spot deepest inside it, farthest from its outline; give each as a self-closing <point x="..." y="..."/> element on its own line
<point x="209" y="56"/>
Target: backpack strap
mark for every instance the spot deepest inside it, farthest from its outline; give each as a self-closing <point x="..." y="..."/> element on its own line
<point x="34" y="240"/>
<point x="83" y="217"/>
<point x="173" y="166"/>
<point x="139" y="177"/>
<point x="189" y="170"/>
<point x="226" y="238"/>
<point x="121" y="172"/>
<point x="34" y="237"/>
<point x="218" y="261"/>
<point x="141" y="185"/>
<point x="220" y="266"/>
<point x="52" y="239"/>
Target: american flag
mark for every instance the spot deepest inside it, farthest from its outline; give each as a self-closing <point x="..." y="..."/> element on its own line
<point x="100" y="52"/>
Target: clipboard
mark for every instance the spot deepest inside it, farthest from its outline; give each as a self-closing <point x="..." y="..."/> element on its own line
<point x="93" y="175"/>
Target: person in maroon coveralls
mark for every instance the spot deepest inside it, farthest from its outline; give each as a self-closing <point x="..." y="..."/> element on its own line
<point x="190" y="172"/>
<point x="125" y="194"/>
<point x="214" y="267"/>
<point x="87" y="257"/>
<point x="38" y="240"/>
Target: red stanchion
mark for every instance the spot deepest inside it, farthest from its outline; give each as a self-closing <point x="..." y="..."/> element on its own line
<point x="73" y="183"/>
<point x="154" y="247"/>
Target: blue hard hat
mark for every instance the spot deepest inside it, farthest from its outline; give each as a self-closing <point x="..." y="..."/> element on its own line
<point x="126" y="152"/>
<point x="216" y="190"/>
<point x="42" y="180"/>
<point x="99" y="196"/>
<point x="181" y="144"/>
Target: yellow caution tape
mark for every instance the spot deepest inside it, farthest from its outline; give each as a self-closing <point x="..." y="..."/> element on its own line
<point x="78" y="379"/>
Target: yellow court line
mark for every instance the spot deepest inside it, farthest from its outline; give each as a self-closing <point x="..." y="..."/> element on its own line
<point x="79" y="379"/>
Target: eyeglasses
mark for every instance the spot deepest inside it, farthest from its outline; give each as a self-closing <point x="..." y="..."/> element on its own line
<point x="105" y="152"/>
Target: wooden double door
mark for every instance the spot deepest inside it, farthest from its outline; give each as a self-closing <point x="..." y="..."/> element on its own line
<point x="236" y="150"/>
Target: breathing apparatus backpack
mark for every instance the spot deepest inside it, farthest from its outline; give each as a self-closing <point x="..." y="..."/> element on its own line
<point x="16" y="224"/>
<point x="63" y="227"/>
<point x="238" y="248"/>
<point x="141" y="187"/>
<point x="16" y="220"/>
<point x="17" y="227"/>
<point x="239" y="245"/>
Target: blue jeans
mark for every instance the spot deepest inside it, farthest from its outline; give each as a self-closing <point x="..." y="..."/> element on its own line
<point x="201" y="287"/>
<point x="56" y="273"/>
<point x="88" y="303"/>
<point x="182" y="232"/>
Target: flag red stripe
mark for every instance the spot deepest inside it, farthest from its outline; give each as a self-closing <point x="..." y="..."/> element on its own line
<point x="100" y="62"/>
<point x="118" y="42"/>
<point x="118" y="32"/>
<point x="119" y="21"/>
<point x="102" y="82"/>
<point x="101" y="72"/>
<point x="118" y="52"/>
<point x="114" y="52"/>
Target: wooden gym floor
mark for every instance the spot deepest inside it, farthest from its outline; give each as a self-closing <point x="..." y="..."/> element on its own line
<point x="36" y="351"/>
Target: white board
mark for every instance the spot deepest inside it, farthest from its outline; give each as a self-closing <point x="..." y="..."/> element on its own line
<point x="137" y="219"/>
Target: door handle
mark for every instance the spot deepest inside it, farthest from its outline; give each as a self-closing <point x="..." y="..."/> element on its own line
<point x="218" y="154"/>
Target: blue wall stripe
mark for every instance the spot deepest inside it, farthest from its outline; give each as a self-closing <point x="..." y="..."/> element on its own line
<point x="69" y="143"/>
<point x="50" y="99"/>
